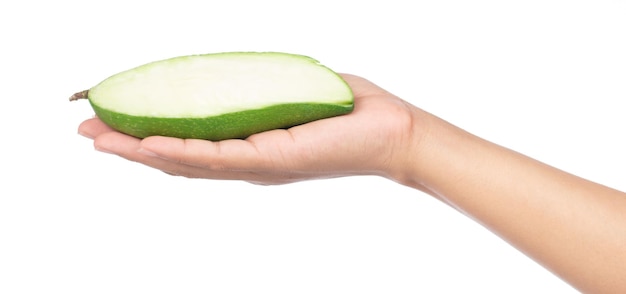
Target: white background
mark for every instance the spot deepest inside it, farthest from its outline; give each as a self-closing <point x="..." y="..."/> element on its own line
<point x="546" y="78"/>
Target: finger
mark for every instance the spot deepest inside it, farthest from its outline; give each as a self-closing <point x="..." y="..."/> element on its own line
<point x="269" y="177"/>
<point x="227" y="155"/>
<point x="93" y="127"/>
<point x="117" y="143"/>
<point x="129" y="148"/>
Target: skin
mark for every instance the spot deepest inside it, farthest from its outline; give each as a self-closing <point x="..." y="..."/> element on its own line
<point x="572" y="226"/>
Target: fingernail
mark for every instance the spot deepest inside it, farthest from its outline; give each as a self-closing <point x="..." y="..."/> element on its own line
<point x="103" y="150"/>
<point x="86" y="135"/>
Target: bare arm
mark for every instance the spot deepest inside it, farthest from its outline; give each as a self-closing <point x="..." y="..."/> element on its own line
<point x="572" y="226"/>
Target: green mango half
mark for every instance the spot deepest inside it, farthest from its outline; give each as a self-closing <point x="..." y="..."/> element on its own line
<point x="219" y="96"/>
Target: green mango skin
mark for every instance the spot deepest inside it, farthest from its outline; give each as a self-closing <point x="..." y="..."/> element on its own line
<point x="234" y="125"/>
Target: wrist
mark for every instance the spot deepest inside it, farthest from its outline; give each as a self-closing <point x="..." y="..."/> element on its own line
<point x="431" y="148"/>
<point x="409" y="147"/>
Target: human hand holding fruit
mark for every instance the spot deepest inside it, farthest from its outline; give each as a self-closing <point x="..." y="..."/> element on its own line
<point x="373" y="139"/>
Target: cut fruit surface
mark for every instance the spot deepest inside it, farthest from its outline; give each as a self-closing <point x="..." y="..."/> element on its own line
<point x="220" y="96"/>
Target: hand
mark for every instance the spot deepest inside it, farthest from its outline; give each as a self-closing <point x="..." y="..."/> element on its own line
<point x="370" y="140"/>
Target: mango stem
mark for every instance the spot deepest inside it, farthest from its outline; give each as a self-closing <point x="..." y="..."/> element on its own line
<point x="79" y="95"/>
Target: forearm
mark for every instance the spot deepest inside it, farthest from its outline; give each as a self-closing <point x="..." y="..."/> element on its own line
<point x="573" y="227"/>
